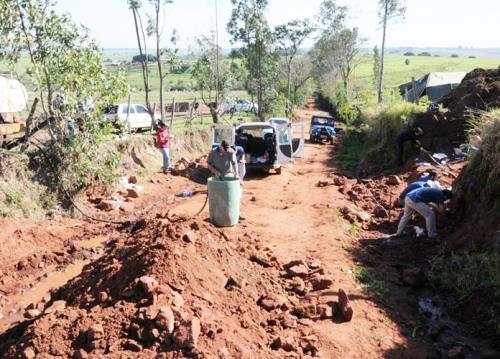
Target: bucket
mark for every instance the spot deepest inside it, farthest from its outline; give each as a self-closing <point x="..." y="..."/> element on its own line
<point x="224" y="195"/>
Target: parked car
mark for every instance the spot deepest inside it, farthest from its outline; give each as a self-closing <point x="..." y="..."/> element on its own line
<point x="138" y="116"/>
<point x="279" y="121"/>
<point x="267" y="146"/>
<point x="322" y="129"/>
<point x="241" y="106"/>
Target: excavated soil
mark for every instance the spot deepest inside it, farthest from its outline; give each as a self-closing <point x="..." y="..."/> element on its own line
<point x="479" y="90"/>
<point x="166" y="285"/>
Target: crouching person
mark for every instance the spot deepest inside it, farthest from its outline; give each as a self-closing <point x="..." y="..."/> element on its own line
<point x="424" y="201"/>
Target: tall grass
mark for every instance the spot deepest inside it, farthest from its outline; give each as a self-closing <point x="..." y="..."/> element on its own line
<point x="372" y="145"/>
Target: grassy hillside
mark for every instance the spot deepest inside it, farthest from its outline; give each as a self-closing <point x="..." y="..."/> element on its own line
<point x="396" y="72"/>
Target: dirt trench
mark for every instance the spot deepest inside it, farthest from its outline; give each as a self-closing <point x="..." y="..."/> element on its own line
<point x="235" y="281"/>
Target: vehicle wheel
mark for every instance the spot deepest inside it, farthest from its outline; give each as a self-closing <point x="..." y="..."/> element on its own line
<point x="278" y="170"/>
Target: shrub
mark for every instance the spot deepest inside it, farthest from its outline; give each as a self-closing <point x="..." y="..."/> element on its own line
<point x="345" y="111"/>
<point x="454" y="55"/>
<point x="372" y="144"/>
<point x="409" y="53"/>
<point x="425" y="53"/>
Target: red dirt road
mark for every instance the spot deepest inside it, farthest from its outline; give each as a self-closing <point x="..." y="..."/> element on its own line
<point x="289" y="213"/>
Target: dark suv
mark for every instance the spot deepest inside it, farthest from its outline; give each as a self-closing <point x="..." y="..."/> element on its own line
<point x="322" y="129"/>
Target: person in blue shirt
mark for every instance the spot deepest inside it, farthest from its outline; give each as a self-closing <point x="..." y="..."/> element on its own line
<point x="429" y="176"/>
<point x="424" y="201"/>
<point x="427" y="180"/>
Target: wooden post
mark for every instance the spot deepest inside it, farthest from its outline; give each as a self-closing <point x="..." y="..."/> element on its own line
<point x="191" y="111"/>
<point x="128" y="108"/>
<point x="153" y="117"/>
<point x="172" y="114"/>
<point x="415" y="99"/>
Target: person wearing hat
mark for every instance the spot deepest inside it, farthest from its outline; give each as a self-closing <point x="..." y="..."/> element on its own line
<point x="424" y="201"/>
<point x="413" y="135"/>
<point x="222" y="162"/>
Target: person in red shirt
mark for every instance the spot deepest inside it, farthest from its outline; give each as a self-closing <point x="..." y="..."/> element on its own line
<point x="163" y="141"/>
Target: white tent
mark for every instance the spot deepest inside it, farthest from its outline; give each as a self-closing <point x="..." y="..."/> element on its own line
<point x="434" y="85"/>
<point x="13" y="96"/>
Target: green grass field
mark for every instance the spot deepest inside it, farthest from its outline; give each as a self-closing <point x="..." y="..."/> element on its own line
<point x="396" y="72"/>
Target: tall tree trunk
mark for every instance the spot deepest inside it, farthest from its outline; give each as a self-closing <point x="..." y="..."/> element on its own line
<point x="382" y="53"/>
<point x="288" y="88"/>
<point x="158" y="53"/>
<point x="144" y="60"/>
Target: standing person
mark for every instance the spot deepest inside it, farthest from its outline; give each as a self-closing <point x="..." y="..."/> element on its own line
<point x="409" y="135"/>
<point x="163" y="141"/>
<point x="424" y="201"/>
<point x="240" y="159"/>
<point x="222" y="162"/>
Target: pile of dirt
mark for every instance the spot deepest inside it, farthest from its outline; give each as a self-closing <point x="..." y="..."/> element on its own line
<point x="479" y="90"/>
<point x="442" y="132"/>
<point x="182" y="288"/>
<point x="375" y="200"/>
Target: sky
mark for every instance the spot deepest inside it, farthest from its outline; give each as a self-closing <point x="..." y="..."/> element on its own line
<point x="428" y="23"/>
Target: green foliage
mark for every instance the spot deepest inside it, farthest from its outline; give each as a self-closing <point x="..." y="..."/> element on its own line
<point x="478" y="183"/>
<point x="248" y="26"/>
<point x="467" y="274"/>
<point x="343" y="107"/>
<point x="372" y="144"/>
<point x="211" y="72"/>
<point x="70" y="80"/>
<point x="376" y="65"/>
<point x="354" y="229"/>
<point x="369" y="280"/>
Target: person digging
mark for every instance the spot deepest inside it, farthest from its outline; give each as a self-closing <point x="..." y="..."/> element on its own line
<point x="222" y="162"/>
<point x="413" y="135"/>
<point x="424" y="181"/>
<point x="424" y="201"/>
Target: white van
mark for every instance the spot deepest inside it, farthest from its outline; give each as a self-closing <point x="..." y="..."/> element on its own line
<point x="138" y="116"/>
<point x="267" y="146"/>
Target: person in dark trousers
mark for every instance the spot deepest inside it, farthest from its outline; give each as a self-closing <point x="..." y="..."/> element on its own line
<point x="163" y="141"/>
<point x="424" y="201"/>
<point x="409" y="135"/>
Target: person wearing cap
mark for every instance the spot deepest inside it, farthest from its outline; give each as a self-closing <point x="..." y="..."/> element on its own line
<point x="413" y="135"/>
<point x="163" y="142"/>
<point x="222" y="162"/>
<point x="424" y="201"/>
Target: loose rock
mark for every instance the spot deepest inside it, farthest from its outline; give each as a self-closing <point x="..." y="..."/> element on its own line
<point x="320" y="282"/>
<point x="148" y="283"/>
<point x="165" y="319"/>
<point x="186" y="335"/>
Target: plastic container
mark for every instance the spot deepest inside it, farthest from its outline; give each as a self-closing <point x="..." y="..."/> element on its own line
<point x="224" y="194"/>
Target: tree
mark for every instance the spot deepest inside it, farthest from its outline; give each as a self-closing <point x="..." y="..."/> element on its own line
<point x="213" y="76"/>
<point x="154" y="29"/>
<point x="135" y="6"/>
<point x="289" y="37"/>
<point x="71" y="83"/>
<point x="376" y="65"/>
<point x="164" y="55"/>
<point x="249" y="27"/>
<point x="407" y="62"/>
<point x="388" y="9"/>
<point x="337" y="49"/>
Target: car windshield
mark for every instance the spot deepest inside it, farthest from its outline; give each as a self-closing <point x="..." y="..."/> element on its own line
<point x="140" y="109"/>
<point x="323" y="121"/>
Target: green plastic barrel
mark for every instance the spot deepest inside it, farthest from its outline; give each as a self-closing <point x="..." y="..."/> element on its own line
<point x="224" y="195"/>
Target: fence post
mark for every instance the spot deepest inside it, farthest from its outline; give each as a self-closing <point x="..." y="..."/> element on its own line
<point x="172" y="114"/>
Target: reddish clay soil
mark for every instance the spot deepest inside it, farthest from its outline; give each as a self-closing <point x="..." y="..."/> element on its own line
<point x="172" y="286"/>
